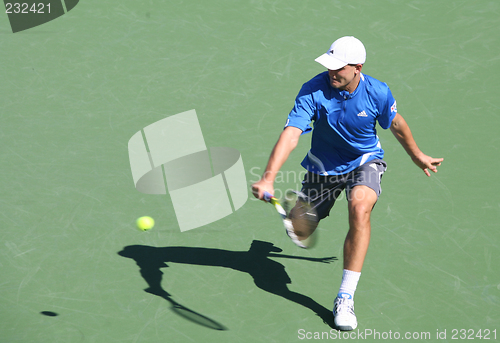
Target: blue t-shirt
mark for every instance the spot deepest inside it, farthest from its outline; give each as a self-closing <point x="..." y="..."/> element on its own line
<point x="344" y="135"/>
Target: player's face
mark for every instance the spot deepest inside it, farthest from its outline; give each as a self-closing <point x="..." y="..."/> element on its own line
<point x="345" y="78"/>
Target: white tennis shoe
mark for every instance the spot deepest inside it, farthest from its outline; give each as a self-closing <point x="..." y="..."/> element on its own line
<point x="343" y="313"/>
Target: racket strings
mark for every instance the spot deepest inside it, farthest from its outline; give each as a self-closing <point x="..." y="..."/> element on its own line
<point x="300" y="204"/>
<point x="301" y="213"/>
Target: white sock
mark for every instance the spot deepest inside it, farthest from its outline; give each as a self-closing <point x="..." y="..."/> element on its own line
<point x="349" y="283"/>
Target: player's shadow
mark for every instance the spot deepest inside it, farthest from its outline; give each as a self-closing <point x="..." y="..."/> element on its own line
<point x="267" y="274"/>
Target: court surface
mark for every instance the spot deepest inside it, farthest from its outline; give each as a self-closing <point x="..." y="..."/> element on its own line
<point x="73" y="92"/>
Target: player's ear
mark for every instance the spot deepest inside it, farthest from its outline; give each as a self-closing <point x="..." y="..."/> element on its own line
<point x="359" y="66"/>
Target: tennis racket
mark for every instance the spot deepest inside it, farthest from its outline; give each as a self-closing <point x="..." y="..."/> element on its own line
<point x="299" y="217"/>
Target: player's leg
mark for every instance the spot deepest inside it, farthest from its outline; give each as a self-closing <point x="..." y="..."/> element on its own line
<point x="363" y="191"/>
<point x="360" y="205"/>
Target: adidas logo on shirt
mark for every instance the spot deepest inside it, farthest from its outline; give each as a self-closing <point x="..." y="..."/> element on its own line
<point x="362" y="114"/>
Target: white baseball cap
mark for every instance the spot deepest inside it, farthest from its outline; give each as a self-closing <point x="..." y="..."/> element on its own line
<point x="344" y="51"/>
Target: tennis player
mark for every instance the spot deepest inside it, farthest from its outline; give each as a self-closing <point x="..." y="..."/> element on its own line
<point x="344" y="106"/>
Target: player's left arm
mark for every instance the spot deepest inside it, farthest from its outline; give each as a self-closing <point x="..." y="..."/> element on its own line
<point x="402" y="132"/>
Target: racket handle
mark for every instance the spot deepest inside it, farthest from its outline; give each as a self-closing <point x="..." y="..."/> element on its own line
<point x="268" y="196"/>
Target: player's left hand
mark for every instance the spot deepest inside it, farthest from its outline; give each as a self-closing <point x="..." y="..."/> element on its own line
<point x="427" y="163"/>
<point x="323" y="259"/>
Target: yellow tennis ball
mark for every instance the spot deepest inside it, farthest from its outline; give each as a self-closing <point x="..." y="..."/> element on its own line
<point x="145" y="223"/>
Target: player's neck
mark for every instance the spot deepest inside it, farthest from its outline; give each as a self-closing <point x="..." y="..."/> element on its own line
<point x="351" y="86"/>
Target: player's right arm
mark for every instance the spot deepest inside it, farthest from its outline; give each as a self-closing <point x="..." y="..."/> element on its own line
<point x="287" y="141"/>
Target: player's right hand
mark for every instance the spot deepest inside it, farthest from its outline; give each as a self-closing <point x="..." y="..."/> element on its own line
<point x="260" y="187"/>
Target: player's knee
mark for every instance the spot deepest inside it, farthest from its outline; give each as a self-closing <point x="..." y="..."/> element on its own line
<point x="360" y="210"/>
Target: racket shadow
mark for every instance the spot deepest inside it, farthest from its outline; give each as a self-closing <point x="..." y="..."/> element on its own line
<point x="185" y="312"/>
<point x="267" y="274"/>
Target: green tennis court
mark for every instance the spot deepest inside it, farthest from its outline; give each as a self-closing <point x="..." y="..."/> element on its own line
<point x="74" y="90"/>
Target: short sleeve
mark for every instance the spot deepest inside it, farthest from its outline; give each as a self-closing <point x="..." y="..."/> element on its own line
<point x="388" y="111"/>
<point x="303" y="110"/>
